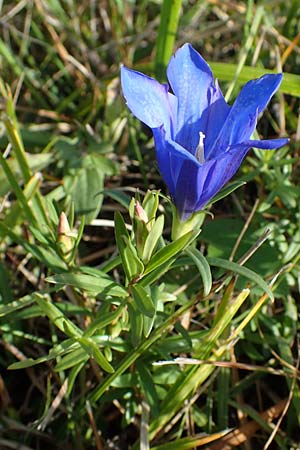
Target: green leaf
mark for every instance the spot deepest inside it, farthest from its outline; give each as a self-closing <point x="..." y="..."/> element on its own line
<point x="16" y="304"/>
<point x="77" y="356"/>
<point x="57" y="317"/>
<point x="150" y="204"/>
<point x="146" y="380"/>
<point x="153" y="238"/>
<point x="101" y="322"/>
<point x="226" y="191"/>
<point x="143" y="300"/>
<point x="203" y="267"/>
<point x="55" y="352"/>
<point x="36" y="162"/>
<point x="132" y="265"/>
<point x="72" y="377"/>
<point x="101" y="284"/>
<point x="119" y="196"/>
<point x="226" y="71"/>
<point x="93" y="351"/>
<point x="169" y="17"/>
<point x="27" y="363"/>
<point x="169" y="251"/>
<point x="136" y="324"/>
<point x="244" y="271"/>
<point x="85" y="185"/>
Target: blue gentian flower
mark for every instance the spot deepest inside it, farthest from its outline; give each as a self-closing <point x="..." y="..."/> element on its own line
<point x="200" y="140"/>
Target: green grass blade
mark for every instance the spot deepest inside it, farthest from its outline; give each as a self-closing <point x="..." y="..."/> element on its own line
<point x="169" y="18"/>
<point x="226" y="72"/>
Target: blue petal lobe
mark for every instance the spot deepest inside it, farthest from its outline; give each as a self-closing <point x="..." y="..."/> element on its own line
<point x="189" y="187"/>
<point x="268" y="144"/>
<point x="148" y="100"/>
<point x="216" y="113"/>
<point x="170" y="157"/>
<point x="242" y="119"/>
<point x="191" y="80"/>
<point x="223" y="170"/>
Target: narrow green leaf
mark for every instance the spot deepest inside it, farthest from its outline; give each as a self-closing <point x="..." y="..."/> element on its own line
<point x="153" y="238"/>
<point x="169" y="18"/>
<point x="155" y="274"/>
<point x="143" y="300"/>
<point x="102" y="321"/>
<point x="146" y="380"/>
<point x="58" y="350"/>
<point x="226" y="191"/>
<point x="72" y="377"/>
<point x="226" y="71"/>
<point x="136" y="324"/>
<point x="243" y="271"/>
<point x="101" y="284"/>
<point x="93" y="351"/>
<point x="132" y="265"/>
<point x="168" y="252"/>
<point x="135" y="265"/>
<point x="23" y="202"/>
<point x="27" y="363"/>
<point x="57" y="317"/>
<point x="203" y="267"/>
<point x="16" y="304"/>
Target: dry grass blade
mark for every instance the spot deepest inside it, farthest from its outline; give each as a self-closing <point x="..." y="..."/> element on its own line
<point x="246" y="431"/>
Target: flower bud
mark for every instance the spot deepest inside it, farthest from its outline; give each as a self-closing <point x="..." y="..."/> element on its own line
<point x="64" y="237"/>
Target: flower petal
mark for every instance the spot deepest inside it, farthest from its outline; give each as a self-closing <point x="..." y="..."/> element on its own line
<point x="216" y="114"/>
<point x="191" y="80"/>
<point x="190" y="184"/>
<point x="267" y="144"/>
<point x="223" y="170"/>
<point x="242" y="119"/>
<point x="198" y="184"/>
<point x="227" y="165"/>
<point x="147" y="99"/>
<point x="170" y="157"/>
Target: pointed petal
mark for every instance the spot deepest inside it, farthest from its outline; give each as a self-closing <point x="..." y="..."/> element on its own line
<point x="198" y="184"/>
<point x="191" y="80"/>
<point x="267" y="144"/>
<point x="216" y="115"/>
<point x="148" y="100"/>
<point x="170" y="157"/>
<point x="223" y="170"/>
<point x="242" y="119"/>
<point x="190" y="184"/>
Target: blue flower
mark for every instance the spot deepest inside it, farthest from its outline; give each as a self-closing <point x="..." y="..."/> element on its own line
<point x="200" y="140"/>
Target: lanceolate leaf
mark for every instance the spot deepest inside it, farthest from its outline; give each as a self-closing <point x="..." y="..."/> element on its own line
<point x="203" y="267"/>
<point x="143" y="300"/>
<point x="132" y="265"/>
<point x="240" y="270"/>
<point x="101" y="284"/>
<point x="167" y="252"/>
<point x="152" y="238"/>
<point x="93" y="351"/>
